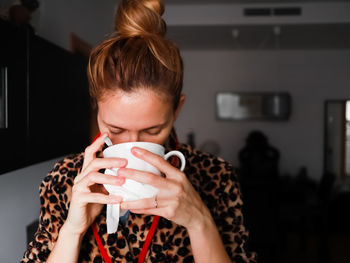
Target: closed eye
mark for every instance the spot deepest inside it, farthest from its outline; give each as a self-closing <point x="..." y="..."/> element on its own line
<point x="153" y="131"/>
<point x="116" y="131"/>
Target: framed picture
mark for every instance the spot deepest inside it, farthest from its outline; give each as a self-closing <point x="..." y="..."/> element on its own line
<point x="253" y="106"/>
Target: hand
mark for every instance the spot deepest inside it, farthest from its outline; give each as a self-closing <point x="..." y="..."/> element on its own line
<point x="176" y="199"/>
<point x="88" y="193"/>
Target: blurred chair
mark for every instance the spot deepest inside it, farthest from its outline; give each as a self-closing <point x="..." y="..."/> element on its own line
<point x="258" y="173"/>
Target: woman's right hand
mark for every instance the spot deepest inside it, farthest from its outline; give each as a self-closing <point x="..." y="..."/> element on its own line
<point x="88" y="192"/>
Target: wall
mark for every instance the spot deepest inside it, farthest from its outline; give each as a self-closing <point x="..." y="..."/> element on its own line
<point x="89" y="19"/>
<point x="311" y="77"/>
<point x="19" y="206"/>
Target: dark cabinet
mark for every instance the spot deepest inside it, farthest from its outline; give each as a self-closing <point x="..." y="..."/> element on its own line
<point x="44" y="101"/>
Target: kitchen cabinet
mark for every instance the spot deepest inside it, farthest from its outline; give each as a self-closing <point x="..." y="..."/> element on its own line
<point x="44" y="101"/>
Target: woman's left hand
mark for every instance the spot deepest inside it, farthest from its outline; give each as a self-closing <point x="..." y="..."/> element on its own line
<point x="176" y="199"/>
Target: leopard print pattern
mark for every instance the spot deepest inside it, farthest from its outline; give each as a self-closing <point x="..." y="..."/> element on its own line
<point x="215" y="181"/>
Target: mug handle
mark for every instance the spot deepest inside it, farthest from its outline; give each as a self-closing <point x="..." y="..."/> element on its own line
<point x="179" y="155"/>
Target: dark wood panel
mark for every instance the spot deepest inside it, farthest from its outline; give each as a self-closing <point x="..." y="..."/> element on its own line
<point x="48" y="102"/>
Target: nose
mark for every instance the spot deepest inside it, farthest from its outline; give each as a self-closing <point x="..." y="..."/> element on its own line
<point x="134" y="136"/>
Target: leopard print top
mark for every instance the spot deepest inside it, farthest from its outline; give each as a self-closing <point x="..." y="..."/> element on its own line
<point x="215" y="181"/>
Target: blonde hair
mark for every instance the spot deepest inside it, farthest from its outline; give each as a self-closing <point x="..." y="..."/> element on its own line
<point x="137" y="54"/>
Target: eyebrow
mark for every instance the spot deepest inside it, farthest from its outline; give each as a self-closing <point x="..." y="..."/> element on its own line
<point x="148" y="128"/>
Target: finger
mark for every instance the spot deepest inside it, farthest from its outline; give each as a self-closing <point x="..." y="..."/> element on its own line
<point x="98" y="198"/>
<point x="163" y="212"/>
<point x="92" y="149"/>
<point x="143" y="177"/>
<point x="157" y="161"/>
<point x="97" y="178"/>
<point x="145" y="203"/>
<point x="166" y="212"/>
<point x="101" y="163"/>
<point x="106" y="163"/>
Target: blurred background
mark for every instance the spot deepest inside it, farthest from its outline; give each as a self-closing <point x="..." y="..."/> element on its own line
<point x="268" y="89"/>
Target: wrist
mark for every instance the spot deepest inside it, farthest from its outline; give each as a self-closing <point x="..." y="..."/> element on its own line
<point x="68" y="231"/>
<point x="67" y="246"/>
<point x="201" y="223"/>
<point x="206" y="242"/>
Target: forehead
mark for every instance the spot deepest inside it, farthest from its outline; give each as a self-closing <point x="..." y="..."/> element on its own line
<point x="134" y="110"/>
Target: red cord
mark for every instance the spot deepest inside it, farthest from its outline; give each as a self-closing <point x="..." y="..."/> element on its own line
<point x="103" y="251"/>
<point x="97" y="135"/>
<point x="148" y="239"/>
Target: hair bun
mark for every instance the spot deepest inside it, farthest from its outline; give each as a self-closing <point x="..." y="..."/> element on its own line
<point x="140" y="18"/>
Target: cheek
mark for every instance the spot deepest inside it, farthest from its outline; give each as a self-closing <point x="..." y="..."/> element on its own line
<point x="142" y="137"/>
<point x="119" y="138"/>
<point x="160" y="139"/>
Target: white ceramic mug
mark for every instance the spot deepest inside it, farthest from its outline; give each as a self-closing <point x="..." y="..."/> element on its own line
<point x="132" y="190"/>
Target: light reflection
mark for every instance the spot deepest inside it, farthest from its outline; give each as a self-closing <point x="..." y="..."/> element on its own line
<point x="347" y="138"/>
<point x="3" y="97"/>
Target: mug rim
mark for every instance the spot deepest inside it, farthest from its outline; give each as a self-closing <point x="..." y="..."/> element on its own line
<point x="131" y="143"/>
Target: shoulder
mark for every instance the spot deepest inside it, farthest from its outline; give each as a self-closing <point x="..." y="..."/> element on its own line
<point x="207" y="172"/>
<point x="204" y="161"/>
<point x="63" y="173"/>
<point x="55" y="193"/>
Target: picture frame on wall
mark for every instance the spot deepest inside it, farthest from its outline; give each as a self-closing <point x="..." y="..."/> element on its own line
<point x="237" y="106"/>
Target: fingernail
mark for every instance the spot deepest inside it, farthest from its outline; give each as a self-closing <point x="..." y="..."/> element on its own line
<point x="124" y="162"/>
<point x="118" y="163"/>
<point x="119" y="180"/>
<point x="136" y="150"/>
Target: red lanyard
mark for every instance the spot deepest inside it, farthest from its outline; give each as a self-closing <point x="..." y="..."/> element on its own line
<point x="103" y="251"/>
<point x="149" y="237"/>
<point x="145" y="246"/>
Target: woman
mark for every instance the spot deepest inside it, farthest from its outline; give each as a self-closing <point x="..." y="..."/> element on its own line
<point x="136" y="81"/>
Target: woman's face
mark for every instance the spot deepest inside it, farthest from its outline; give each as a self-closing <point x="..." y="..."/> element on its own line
<point x="142" y="115"/>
